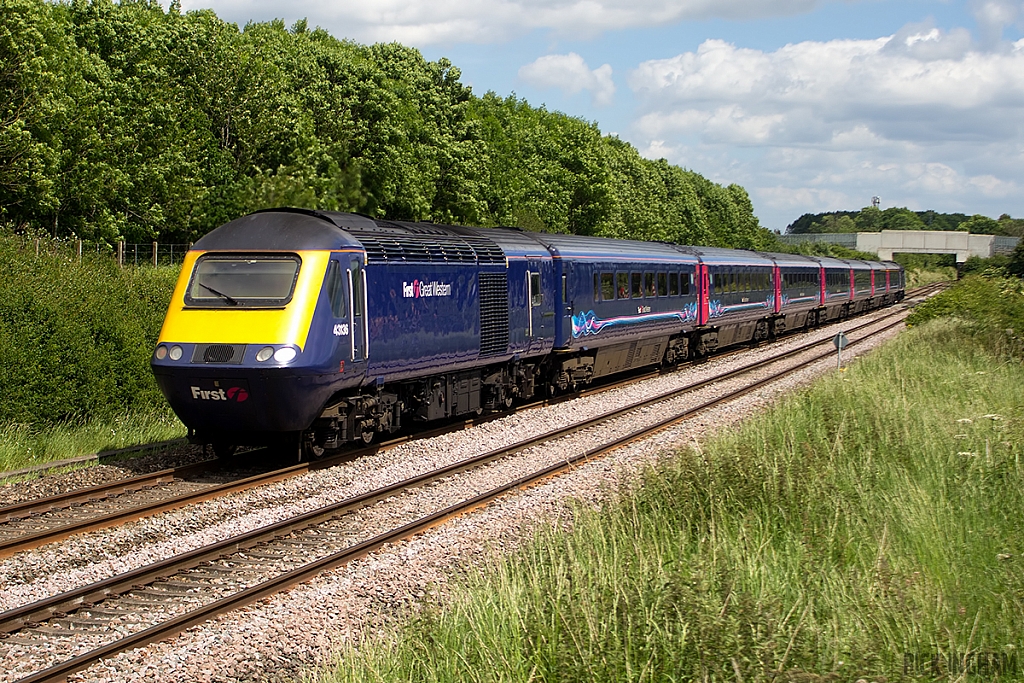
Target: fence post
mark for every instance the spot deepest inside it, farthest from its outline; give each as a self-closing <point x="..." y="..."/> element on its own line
<point x="37" y="247"/>
<point x="120" y="253"/>
<point x="154" y="254"/>
<point x="79" y="251"/>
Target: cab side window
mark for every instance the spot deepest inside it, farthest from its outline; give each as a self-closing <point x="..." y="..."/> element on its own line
<point x="334" y="284"/>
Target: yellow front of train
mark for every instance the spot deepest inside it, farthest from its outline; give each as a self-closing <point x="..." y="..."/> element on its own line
<point x="248" y="349"/>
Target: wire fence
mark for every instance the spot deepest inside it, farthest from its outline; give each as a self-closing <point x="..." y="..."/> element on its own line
<point x="1004" y="245"/>
<point x="126" y="254"/>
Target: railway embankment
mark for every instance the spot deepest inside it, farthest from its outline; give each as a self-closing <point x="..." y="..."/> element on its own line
<point x="868" y="526"/>
<point x="75" y="341"/>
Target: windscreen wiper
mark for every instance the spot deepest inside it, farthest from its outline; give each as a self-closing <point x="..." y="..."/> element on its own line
<point x="231" y="300"/>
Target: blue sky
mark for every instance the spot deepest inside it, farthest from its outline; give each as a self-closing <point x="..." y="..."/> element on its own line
<point x="811" y="105"/>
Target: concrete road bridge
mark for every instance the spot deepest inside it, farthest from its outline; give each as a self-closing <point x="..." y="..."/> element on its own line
<point x="889" y="242"/>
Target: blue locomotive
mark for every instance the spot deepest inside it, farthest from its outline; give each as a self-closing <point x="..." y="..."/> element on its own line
<point x="313" y="328"/>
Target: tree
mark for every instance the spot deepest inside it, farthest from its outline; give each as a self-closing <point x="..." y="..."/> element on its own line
<point x="1016" y="264"/>
<point x="901" y="219"/>
<point x="979" y="225"/>
<point x="835" y="223"/>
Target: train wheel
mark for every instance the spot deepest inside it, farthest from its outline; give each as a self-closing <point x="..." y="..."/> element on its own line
<point x="311" y="451"/>
<point x="225" y="451"/>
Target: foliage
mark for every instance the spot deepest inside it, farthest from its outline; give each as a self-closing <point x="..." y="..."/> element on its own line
<point x="123" y="120"/>
<point x="994" y="265"/>
<point x="865" y="528"/>
<point x="1015" y="264"/>
<point x="75" y="338"/>
<point x="991" y="308"/>
<point x="872" y="219"/>
<point x="979" y="225"/>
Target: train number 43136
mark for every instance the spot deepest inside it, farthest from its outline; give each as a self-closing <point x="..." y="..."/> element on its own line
<point x="341" y="329"/>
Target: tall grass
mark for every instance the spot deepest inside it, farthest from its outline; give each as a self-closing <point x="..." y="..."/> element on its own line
<point x="868" y="527"/>
<point x="22" y="445"/>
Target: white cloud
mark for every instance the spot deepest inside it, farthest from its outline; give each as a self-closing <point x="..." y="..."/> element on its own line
<point x="993" y="16"/>
<point x="571" y="74"/>
<point x="419" y="22"/>
<point x="924" y="117"/>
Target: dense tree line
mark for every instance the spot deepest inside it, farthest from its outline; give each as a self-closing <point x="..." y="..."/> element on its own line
<point x="873" y="219"/>
<point x="123" y="120"/>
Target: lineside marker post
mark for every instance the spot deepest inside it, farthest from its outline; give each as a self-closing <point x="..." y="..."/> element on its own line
<point x="840" y="341"/>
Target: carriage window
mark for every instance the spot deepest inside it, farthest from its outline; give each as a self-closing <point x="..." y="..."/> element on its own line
<point x="622" y="285"/>
<point x="685" y="280"/>
<point x="673" y="284"/>
<point x="636" y="282"/>
<point x="649" y="288"/>
<point x="537" y="296"/>
<point x="607" y="286"/>
<point x="662" y="284"/>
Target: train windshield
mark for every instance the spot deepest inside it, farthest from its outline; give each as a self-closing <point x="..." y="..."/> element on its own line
<point x="243" y="280"/>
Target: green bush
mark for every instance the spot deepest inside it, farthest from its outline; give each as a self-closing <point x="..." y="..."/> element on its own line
<point x="991" y="307"/>
<point x="76" y="337"/>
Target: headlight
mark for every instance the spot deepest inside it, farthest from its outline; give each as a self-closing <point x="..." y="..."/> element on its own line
<point x="285" y="355"/>
<point x="265" y="353"/>
<point x="161" y="352"/>
<point x="175" y="353"/>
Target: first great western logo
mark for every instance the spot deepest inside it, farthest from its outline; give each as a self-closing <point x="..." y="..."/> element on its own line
<point x="421" y="288"/>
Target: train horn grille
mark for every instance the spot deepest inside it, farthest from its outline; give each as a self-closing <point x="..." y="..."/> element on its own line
<point x="219" y="353"/>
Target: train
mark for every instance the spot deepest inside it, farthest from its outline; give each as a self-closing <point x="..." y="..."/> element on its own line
<point x="309" y="330"/>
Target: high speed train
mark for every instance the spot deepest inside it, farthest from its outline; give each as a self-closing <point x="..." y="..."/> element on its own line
<point x="311" y="329"/>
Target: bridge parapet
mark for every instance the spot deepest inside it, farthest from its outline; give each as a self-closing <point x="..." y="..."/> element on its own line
<point x="889" y="242"/>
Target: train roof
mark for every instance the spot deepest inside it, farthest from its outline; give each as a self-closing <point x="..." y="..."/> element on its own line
<point x="603" y="248"/>
<point x="721" y="256"/>
<point x="407" y="241"/>
<point x="281" y="229"/>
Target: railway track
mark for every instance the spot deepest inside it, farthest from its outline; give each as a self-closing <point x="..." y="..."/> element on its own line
<point x="32" y="524"/>
<point x="158" y="600"/>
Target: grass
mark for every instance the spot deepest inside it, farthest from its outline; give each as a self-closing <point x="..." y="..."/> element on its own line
<point x="919" y="277"/>
<point x="869" y="527"/>
<point x="21" y="445"/>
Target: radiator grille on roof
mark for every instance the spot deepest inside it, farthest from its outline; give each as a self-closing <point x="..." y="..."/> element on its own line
<point x="383" y="247"/>
<point x="493" y="313"/>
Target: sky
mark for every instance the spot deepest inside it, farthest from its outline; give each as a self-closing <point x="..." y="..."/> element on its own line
<point x="811" y="105"/>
